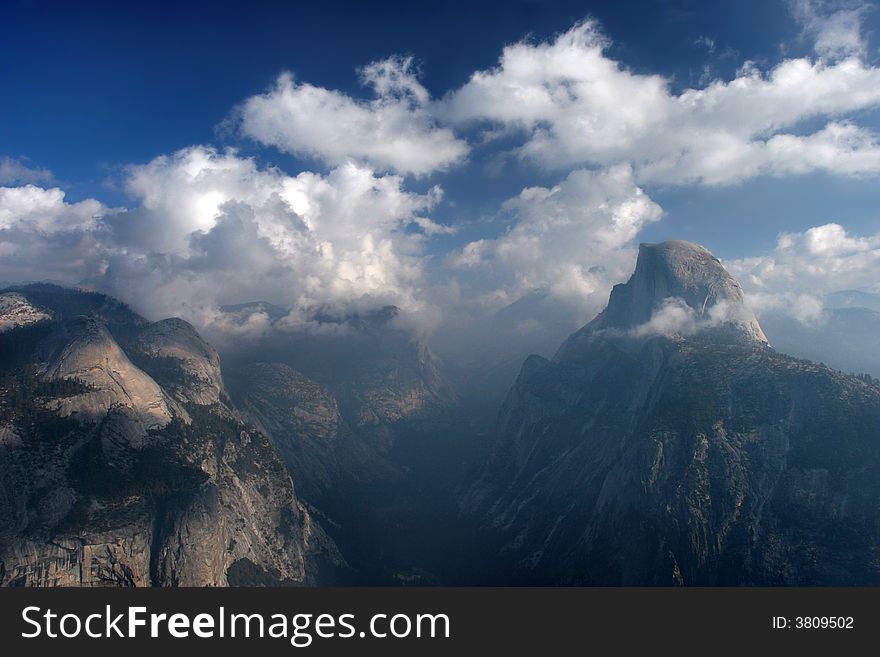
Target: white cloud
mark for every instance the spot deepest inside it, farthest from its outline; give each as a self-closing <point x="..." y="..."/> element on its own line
<point x="45" y="210"/>
<point x="575" y="106"/>
<point x="17" y="172"/>
<point x="214" y="228"/>
<point x="674" y="317"/>
<point x="806" y="266"/>
<point x="44" y="237"/>
<point x="393" y="132"/>
<point x="211" y="227"/>
<point x="430" y="227"/>
<point x="835" y="27"/>
<point x="572" y="240"/>
<point x="185" y="192"/>
<point x="240" y="232"/>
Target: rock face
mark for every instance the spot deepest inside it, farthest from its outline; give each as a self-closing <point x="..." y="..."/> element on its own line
<point x="699" y="457"/>
<point x="193" y="366"/>
<point x="16" y="311"/>
<point x="682" y="272"/>
<point x="123" y="464"/>
<point x="362" y="414"/>
<point x="380" y="374"/>
<point x="308" y="430"/>
<point x="83" y="350"/>
<point x="336" y="398"/>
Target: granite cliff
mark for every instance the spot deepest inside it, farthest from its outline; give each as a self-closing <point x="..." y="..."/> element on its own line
<point x="123" y="462"/>
<point x="336" y="397"/>
<point x="667" y="443"/>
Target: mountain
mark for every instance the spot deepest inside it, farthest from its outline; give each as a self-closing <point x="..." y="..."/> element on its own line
<point x="487" y="352"/>
<point x="667" y="443"/>
<point x="852" y="299"/>
<point x="242" y="311"/>
<point x="846" y="335"/>
<point x="305" y="424"/>
<point x="336" y="396"/>
<point x="365" y="418"/>
<point x="124" y="462"/>
<point x="685" y="279"/>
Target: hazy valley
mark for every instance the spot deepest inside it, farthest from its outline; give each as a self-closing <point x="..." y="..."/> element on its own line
<point x="665" y="442"/>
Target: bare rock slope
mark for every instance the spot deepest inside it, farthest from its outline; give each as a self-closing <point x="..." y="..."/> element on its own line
<point x="338" y="398"/>
<point x="700" y="457"/>
<point x="121" y="462"/>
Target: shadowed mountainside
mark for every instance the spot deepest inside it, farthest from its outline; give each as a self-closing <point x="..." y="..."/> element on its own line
<point x="651" y="452"/>
<point x="123" y="462"/>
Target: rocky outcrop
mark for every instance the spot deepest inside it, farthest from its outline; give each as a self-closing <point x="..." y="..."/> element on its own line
<point x="380" y="374"/>
<point x="305" y="424"/>
<point x="245" y="511"/>
<point x="336" y="396"/>
<point x="191" y="364"/>
<point x="661" y="458"/>
<point x="122" y="464"/>
<point x="16" y="311"/>
<point x="676" y="272"/>
<point x="84" y="351"/>
<point x="114" y="559"/>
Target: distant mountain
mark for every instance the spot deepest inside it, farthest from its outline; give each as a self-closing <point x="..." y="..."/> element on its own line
<point x="667" y="443"/>
<point x="489" y="351"/>
<point x="677" y="287"/>
<point x="306" y="426"/>
<point x="336" y="396"/>
<point x="272" y="311"/>
<point x="852" y="299"/>
<point x="124" y="463"/>
<point x="846" y="335"/>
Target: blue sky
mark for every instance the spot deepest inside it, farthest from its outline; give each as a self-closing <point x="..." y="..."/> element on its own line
<point x="96" y="92"/>
<point x="99" y="85"/>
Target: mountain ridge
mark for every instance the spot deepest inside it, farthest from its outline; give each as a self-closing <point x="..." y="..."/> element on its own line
<point x="665" y="458"/>
<point x="124" y="465"/>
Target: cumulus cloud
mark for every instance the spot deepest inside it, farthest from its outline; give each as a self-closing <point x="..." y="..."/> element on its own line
<point x="209" y="227"/>
<point x="569" y="105"/>
<point x="42" y="236"/>
<point x="572" y="240"/>
<point x="393" y="132"/>
<point x="575" y="106"/>
<point x="225" y="230"/>
<point x="674" y="317"/>
<point x="806" y="266"/>
<point x="45" y="210"/>
<point x="212" y="227"/>
<point x="17" y="172"/>
<point x="835" y="27"/>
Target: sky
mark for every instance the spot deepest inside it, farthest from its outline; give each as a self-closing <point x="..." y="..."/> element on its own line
<point x="450" y="158"/>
